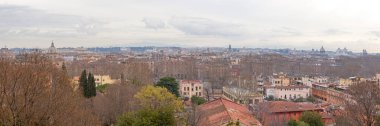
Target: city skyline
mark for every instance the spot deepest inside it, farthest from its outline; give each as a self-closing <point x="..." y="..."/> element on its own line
<point x="253" y="24"/>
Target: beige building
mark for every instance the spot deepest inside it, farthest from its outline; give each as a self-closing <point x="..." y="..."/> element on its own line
<point x="309" y="80"/>
<point x="99" y="79"/>
<point x="103" y="79"/>
<point x="350" y="81"/>
<point x="189" y="88"/>
<point x="280" y="79"/>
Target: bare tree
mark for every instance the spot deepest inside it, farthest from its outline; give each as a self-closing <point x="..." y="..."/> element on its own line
<point x="117" y="100"/>
<point x="362" y="107"/>
<point x="35" y="92"/>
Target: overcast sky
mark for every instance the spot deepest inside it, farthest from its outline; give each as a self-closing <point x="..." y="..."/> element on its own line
<point x="301" y="24"/>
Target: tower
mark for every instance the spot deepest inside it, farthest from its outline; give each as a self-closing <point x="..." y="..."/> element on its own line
<point x="52" y="48"/>
<point x="322" y="50"/>
<point x="365" y="52"/>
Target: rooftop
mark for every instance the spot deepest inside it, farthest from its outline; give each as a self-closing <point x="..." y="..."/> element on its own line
<point x="285" y="106"/>
<point x="221" y="111"/>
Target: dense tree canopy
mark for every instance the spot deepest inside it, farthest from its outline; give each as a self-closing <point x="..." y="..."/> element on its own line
<point x="169" y="83"/>
<point x="158" y="107"/>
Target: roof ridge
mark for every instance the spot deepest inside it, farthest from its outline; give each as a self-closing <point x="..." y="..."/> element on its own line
<point x="228" y="112"/>
<point x="209" y="102"/>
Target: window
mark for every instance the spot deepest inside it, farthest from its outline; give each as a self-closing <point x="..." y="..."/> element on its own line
<point x="184" y="88"/>
<point x="192" y="89"/>
<point x="200" y="93"/>
<point x="196" y="88"/>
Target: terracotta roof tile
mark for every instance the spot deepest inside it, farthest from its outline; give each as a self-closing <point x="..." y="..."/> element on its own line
<point x="221" y="111"/>
<point x="285" y="106"/>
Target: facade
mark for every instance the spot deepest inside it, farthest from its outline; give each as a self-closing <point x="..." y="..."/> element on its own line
<point x="351" y="80"/>
<point x="99" y="79"/>
<point x="52" y="52"/>
<point x="287" y="92"/>
<point x="309" y="80"/>
<point x="320" y="91"/>
<point x="279" y="80"/>
<point x="337" y="96"/>
<point x="189" y="88"/>
<point x="334" y="95"/>
<point x="221" y="112"/>
<point x="103" y="79"/>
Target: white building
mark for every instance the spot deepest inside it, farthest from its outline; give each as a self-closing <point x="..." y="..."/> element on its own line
<point x="309" y="80"/>
<point x="189" y="88"/>
<point x="287" y="92"/>
<point x="242" y="95"/>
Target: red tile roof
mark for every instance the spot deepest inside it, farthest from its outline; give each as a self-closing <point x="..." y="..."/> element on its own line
<point x="285" y="106"/>
<point x="222" y="111"/>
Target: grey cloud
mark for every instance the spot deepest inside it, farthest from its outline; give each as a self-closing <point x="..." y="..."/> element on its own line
<point x="285" y="31"/>
<point x="22" y="20"/>
<point x="207" y="27"/>
<point x="333" y="31"/>
<point x="154" y="23"/>
<point x="376" y="33"/>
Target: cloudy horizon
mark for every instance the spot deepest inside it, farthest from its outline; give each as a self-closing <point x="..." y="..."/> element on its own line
<point x="300" y="24"/>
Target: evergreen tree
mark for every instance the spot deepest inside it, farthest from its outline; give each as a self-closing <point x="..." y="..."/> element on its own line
<point x="122" y="79"/>
<point x="197" y="100"/>
<point x="83" y="83"/>
<point x="169" y="83"/>
<point x="91" y="85"/>
<point x="63" y="66"/>
<point x="292" y="122"/>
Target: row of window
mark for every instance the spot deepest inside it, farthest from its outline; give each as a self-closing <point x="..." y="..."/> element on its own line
<point x="292" y="89"/>
<point x="294" y="96"/>
<point x="188" y="93"/>
<point x="192" y="89"/>
<point x="278" y="82"/>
